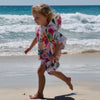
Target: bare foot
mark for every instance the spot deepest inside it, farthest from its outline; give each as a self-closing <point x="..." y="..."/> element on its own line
<point x="36" y="96"/>
<point x="69" y="83"/>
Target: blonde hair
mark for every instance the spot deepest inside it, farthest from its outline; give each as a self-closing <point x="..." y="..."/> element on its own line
<point x="43" y="9"/>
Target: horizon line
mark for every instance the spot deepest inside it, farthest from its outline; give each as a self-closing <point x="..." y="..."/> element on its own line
<point x="51" y="5"/>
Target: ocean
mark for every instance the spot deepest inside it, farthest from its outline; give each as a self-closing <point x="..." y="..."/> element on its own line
<point x="80" y="24"/>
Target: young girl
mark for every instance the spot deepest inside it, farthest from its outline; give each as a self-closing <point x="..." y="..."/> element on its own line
<point x="50" y="43"/>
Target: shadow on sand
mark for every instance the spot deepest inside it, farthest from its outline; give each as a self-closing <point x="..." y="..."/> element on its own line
<point x="62" y="97"/>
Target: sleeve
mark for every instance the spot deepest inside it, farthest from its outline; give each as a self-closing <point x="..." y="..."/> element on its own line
<point x="59" y="38"/>
<point x="56" y="37"/>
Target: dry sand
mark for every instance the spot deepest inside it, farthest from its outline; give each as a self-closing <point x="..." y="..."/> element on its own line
<point x="82" y="91"/>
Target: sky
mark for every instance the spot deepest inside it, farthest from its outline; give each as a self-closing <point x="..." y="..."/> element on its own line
<point x="50" y="2"/>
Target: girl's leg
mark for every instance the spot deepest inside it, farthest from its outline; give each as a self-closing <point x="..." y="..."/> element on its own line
<point x="41" y="86"/>
<point x="63" y="77"/>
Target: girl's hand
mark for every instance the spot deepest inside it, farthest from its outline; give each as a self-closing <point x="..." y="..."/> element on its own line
<point x="27" y="50"/>
<point x="51" y="58"/>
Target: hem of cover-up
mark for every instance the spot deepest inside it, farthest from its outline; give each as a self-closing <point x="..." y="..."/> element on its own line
<point x="50" y="69"/>
<point x="49" y="72"/>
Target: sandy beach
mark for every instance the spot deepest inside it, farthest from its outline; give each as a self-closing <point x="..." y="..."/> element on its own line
<point x="18" y="78"/>
<point x="82" y="91"/>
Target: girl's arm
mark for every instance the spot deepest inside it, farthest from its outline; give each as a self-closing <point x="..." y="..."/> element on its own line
<point x="31" y="46"/>
<point x="57" y="49"/>
<point x="56" y="52"/>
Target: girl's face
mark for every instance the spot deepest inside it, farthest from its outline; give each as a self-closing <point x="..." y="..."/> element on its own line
<point x="40" y="19"/>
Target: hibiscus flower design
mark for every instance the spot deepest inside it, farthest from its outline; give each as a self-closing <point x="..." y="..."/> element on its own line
<point x="45" y="39"/>
<point x="51" y="31"/>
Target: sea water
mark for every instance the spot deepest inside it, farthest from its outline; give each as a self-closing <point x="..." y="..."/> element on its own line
<point x="80" y="24"/>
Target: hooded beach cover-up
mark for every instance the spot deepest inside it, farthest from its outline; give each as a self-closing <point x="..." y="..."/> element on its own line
<point x="47" y="37"/>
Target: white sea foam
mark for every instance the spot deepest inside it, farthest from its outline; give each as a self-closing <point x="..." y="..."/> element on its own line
<point x="72" y="47"/>
<point x="16" y="19"/>
<point x="82" y="46"/>
<point x="17" y="28"/>
<point x="78" y="22"/>
<point x="73" y="22"/>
